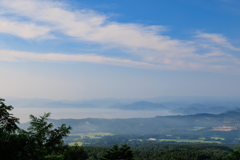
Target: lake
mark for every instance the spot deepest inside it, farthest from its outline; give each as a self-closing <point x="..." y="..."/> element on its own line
<point x="80" y="113"/>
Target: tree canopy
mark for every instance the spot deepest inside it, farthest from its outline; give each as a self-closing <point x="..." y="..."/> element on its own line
<point x="116" y="153"/>
<point x="8" y="123"/>
<point x="41" y="141"/>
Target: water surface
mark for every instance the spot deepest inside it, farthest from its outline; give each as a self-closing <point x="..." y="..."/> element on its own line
<point x="80" y="113"/>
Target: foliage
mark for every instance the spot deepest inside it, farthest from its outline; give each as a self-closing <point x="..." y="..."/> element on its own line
<point x="116" y="153"/>
<point x="169" y="152"/>
<point x="7" y="121"/>
<point x="75" y="153"/>
<point x="234" y="154"/>
<point x="41" y="141"/>
<point x="9" y="142"/>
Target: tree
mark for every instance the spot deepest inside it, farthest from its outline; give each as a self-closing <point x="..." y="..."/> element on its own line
<point x="116" y="153"/>
<point x="234" y="154"/>
<point x="41" y="141"/>
<point x="75" y="153"/>
<point x="7" y="120"/>
<point x="8" y="140"/>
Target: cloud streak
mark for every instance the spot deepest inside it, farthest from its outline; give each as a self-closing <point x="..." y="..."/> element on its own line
<point x="23" y="30"/>
<point x="205" y="52"/>
<point x="11" y="56"/>
<point x="216" y="39"/>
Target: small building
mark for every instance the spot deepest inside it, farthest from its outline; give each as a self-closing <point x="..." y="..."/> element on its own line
<point x="152" y="139"/>
<point x="224" y="128"/>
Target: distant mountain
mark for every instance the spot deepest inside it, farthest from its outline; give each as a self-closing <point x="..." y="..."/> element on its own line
<point x="70" y="105"/>
<point x="198" y="124"/>
<point x="230" y="113"/>
<point x="48" y="103"/>
<point x="200" y="108"/>
<point x="116" y="106"/>
<point x="141" y="105"/>
<point x="58" y="104"/>
<point x="197" y="105"/>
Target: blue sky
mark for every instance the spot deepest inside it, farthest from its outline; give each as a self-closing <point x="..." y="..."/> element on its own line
<point x="120" y="49"/>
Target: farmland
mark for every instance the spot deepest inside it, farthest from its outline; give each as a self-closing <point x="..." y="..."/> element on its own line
<point x="105" y="139"/>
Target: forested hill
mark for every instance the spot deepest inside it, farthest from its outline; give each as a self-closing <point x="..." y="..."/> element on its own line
<point x="157" y="125"/>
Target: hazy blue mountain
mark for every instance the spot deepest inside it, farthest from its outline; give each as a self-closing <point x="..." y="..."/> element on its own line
<point x="116" y="106"/>
<point x="197" y="105"/>
<point x="170" y="103"/>
<point x="199" y="124"/>
<point x="48" y="103"/>
<point x="200" y="108"/>
<point x="70" y="105"/>
<point x="141" y="105"/>
<point x="195" y="110"/>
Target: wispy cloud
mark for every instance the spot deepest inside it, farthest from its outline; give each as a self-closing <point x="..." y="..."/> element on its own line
<point x="156" y="51"/>
<point x="217" y="39"/>
<point x="11" y="56"/>
<point x="23" y="30"/>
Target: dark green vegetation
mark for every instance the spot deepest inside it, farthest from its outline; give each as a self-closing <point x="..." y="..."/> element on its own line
<point x="206" y="128"/>
<point x="171" y="152"/>
<point x="116" y="153"/>
<point x="40" y="142"/>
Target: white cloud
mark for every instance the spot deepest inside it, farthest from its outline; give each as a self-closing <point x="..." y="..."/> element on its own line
<point x="23" y="30"/>
<point x="12" y="56"/>
<point x="201" y="63"/>
<point x="155" y="50"/>
<point x="217" y="39"/>
<point x="89" y="26"/>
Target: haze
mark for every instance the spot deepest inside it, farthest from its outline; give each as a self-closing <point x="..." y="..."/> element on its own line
<point x="75" y="50"/>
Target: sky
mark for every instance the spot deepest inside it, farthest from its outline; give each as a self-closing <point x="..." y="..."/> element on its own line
<point x="83" y="49"/>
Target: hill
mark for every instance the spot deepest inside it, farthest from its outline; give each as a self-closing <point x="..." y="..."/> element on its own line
<point x="141" y="105"/>
<point x="225" y="125"/>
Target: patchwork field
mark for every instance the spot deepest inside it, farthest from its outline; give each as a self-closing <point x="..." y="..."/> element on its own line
<point x="189" y="141"/>
<point x="92" y="135"/>
<point x="103" y="137"/>
<point x="73" y="143"/>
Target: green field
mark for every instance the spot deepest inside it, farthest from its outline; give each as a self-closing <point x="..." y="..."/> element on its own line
<point x="216" y="138"/>
<point x="85" y="135"/>
<point x="73" y="143"/>
<point x="140" y="140"/>
<point x="92" y="135"/>
<point x="189" y="141"/>
<point x="89" y="138"/>
<point x="200" y="140"/>
<point x="197" y="128"/>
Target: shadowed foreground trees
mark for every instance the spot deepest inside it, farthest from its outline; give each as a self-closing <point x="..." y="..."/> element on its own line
<point x="41" y="141"/>
<point x="8" y="123"/>
<point x="116" y="153"/>
<point x="234" y="154"/>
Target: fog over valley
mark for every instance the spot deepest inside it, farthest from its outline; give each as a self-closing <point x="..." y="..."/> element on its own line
<point x="111" y="108"/>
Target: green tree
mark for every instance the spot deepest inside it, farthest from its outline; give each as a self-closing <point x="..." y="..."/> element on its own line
<point x="75" y="153"/>
<point x="234" y="154"/>
<point x="8" y="123"/>
<point x="116" y="153"/>
<point x="41" y="141"/>
<point x="9" y="142"/>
